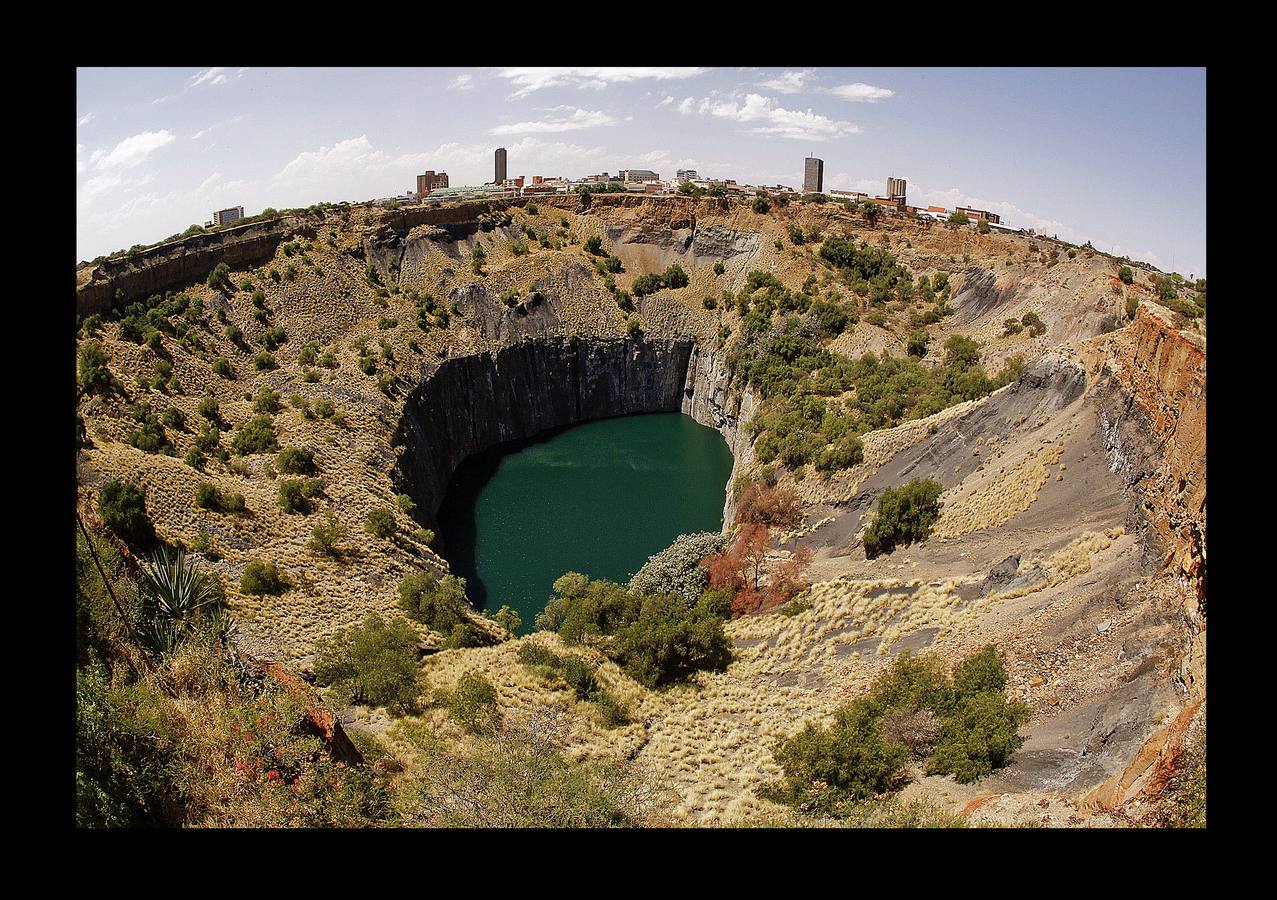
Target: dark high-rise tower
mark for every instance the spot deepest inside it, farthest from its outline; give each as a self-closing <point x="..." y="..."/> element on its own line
<point x="500" y="175"/>
<point x="813" y="175"/>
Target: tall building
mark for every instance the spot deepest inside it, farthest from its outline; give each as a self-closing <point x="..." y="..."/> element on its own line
<point x="685" y="175"/>
<point x="895" y="189"/>
<point x="500" y="174"/>
<point x="430" y="181"/>
<point x="227" y="216"/>
<point x="813" y="175"/>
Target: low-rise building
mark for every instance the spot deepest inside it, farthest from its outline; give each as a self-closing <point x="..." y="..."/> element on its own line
<point x="853" y="196"/>
<point x="628" y="176"/>
<point x="980" y="215"/>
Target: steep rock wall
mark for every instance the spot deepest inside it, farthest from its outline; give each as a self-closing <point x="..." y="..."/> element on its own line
<point x="470" y="403"/>
<point x="1152" y="399"/>
<point x="178" y="264"/>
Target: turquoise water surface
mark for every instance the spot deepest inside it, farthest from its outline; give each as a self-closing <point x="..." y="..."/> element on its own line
<point x="597" y="498"/>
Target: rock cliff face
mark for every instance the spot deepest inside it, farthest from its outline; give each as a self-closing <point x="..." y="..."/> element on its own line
<point x="534" y="386"/>
<point x="1154" y="419"/>
<point x="176" y="265"/>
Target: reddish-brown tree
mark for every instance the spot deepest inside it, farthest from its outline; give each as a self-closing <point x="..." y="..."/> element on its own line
<point x="761" y="503"/>
<point x="739" y="568"/>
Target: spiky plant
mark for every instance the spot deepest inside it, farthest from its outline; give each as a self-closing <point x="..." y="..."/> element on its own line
<point x="177" y="596"/>
<point x="175" y="590"/>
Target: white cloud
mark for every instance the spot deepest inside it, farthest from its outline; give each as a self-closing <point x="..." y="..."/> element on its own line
<point x="534" y="78"/>
<point x="327" y="163"/>
<point x="132" y="151"/>
<point x="204" y="132"/>
<point x="84" y="120"/>
<point x="462" y="83"/>
<point x="666" y="102"/>
<point x="790" y="82"/>
<point x="859" y="92"/>
<point x="686" y="107"/>
<point x="768" y="118"/>
<point x="563" y="120"/>
<point x="215" y="75"/>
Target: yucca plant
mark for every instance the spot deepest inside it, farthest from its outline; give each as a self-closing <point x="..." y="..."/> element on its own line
<point x="176" y="596"/>
<point x="175" y="590"/>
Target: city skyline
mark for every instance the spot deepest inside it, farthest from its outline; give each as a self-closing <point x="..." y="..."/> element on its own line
<point x="1116" y="157"/>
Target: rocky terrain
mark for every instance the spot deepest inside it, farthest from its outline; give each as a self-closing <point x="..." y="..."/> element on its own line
<point x="1072" y="531"/>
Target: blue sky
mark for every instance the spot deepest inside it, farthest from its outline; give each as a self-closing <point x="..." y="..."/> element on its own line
<point x="1116" y="156"/>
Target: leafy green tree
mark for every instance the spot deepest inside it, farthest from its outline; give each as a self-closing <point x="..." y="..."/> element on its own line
<point x="509" y="619"/>
<point x="122" y="507"/>
<point x="905" y="515"/>
<point x="373" y="663"/>
<point x="435" y="602"/>
<point x="670" y="640"/>
<point x="219" y="276"/>
<point x="961" y="352"/>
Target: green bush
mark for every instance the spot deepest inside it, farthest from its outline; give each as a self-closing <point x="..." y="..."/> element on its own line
<point x="95" y="377"/>
<point x="675" y="277"/>
<point x="326" y="536"/>
<point x="258" y="436"/>
<point x="435" y="602"/>
<point x="1126" y="275"/>
<point x="850" y="760"/>
<point x="579" y="676"/>
<point x="373" y="663"/>
<point x="828" y="770"/>
<point x="531" y="654"/>
<point x="980" y="733"/>
<point x="719" y="268"/>
<point x="222" y="368"/>
<point x="296" y="461"/>
<point x="123" y="509"/>
<point x="380" y="522"/>
<point x="473" y="704"/>
<point x="669" y="641"/>
<point x="261" y="578"/>
<point x="647" y="284"/>
<point x="207" y="496"/>
<point x="905" y="515"/>
<point x="216" y="278"/>
<point x="612" y="713"/>
<point x="296" y="494"/>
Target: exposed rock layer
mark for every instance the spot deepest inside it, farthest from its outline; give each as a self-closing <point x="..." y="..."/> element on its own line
<point x="534" y="386"/>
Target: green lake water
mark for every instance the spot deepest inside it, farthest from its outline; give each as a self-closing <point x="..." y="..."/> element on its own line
<point x="597" y="498"/>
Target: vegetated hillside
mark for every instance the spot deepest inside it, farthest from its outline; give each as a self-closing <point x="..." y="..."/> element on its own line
<point x="270" y="391"/>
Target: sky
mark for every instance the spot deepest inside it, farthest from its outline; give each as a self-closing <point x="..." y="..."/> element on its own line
<point x="1114" y="156"/>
